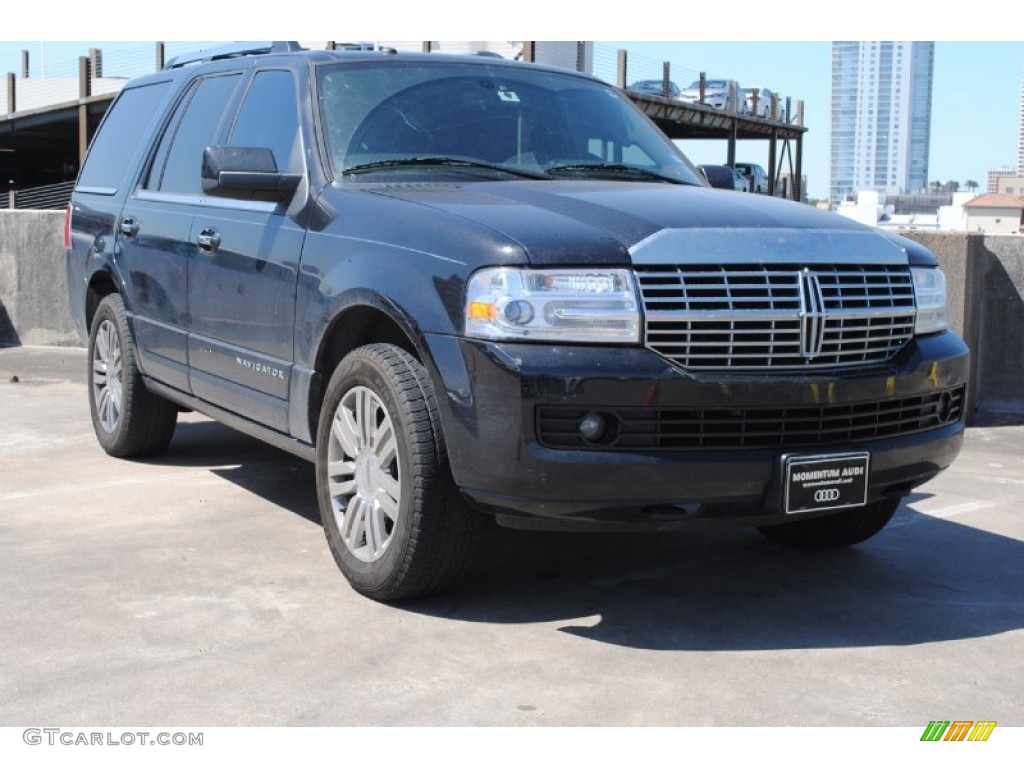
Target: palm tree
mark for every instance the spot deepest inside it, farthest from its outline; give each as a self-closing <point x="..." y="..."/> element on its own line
<point x="970" y="185"/>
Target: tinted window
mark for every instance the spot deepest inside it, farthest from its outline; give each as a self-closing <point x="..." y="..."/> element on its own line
<point x="271" y="94"/>
<point x="195" y="131"/>
<point x="126" y="125"/>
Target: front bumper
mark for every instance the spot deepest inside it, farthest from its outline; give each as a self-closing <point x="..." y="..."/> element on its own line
<point x="490" y="395"/>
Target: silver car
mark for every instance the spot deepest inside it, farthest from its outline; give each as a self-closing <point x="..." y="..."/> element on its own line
<point x="763" y="107"/>
<point x="716" y="94"/>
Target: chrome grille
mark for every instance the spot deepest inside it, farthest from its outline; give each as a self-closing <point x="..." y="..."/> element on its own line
<point x="755" y="318"/>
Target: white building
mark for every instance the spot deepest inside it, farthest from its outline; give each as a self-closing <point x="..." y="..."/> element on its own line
<point x="869" y="208"/>
<point x="881" y="117"/>
<point x="953" y="217"/>
<point x="995" y="214"/>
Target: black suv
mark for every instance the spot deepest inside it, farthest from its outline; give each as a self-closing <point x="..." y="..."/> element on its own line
<point x="464" y="287"/>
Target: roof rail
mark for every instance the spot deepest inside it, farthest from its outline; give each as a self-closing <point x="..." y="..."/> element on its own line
<point x="233" y="50"/>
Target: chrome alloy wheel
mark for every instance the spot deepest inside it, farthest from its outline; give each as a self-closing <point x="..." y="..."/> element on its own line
<point x="364" y="474"/>
<point x="107" y="376"/>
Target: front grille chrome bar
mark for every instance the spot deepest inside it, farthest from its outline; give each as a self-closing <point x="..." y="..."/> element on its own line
<point x="754" y="318"/>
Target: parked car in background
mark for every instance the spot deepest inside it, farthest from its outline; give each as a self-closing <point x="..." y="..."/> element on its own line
<point x="725" y="177"/>
<point x="716" y="93"/>
<point x="756" y="176"/>
<point x="739" y="182"/>
<point x="655" y="88"/>
<point x="763" y="106"/>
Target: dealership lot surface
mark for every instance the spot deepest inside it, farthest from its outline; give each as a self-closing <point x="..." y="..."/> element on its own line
<point x="197" y="588"/>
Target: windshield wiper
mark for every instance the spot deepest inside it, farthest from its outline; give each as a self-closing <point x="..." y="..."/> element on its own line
<point x="450" y="162"/>
<point x="615" y="168"/>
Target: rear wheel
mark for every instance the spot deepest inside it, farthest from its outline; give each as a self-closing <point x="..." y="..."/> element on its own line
<point x="394" y="522"/>
<point x="839" y="529"/>
<point x="129" y="420"/>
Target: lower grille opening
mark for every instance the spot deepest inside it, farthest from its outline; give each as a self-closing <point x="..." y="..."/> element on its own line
<point x="681" y="429"/>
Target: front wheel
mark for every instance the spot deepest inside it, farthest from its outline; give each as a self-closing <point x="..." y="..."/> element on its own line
<point x="394" y="522"/>
<point x="839" y="529"/>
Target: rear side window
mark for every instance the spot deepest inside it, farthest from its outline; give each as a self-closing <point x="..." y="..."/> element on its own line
<point x="268" y="118"/>
<point x="187" y="137"/>
<point x="127" y="124"/>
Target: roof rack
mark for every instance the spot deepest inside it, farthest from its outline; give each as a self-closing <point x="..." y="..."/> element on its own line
<point x="233" y="50"/>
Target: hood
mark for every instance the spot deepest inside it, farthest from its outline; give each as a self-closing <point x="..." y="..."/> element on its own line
<point x="610" y="222"/>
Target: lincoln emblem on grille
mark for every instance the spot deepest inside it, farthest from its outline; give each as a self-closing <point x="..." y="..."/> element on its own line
<point x="812" y="315"/>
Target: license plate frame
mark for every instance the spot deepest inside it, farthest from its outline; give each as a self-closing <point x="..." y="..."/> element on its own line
<point x="816" y="483"/>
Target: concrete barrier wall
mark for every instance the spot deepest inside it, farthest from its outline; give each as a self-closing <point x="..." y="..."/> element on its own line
<point x="33" y="280"/>
<point x="986" y="293"/>
<point x="985" y="275"/>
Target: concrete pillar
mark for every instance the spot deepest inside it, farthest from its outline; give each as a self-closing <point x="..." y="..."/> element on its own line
<point x="12" y="103"/>
<point x="529" y="51"/>
<point x="24" y="64"/>
<point x="798" y="174"/>
<point x="84" y="92"/>
<point x="160" y="56"/>
<point x="621" y="64"/>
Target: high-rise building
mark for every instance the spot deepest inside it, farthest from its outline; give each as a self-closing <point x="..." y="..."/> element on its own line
<point x="1020" y="140"/>
<point x="881" y="117"/>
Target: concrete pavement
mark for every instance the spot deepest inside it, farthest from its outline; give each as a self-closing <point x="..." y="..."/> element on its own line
<point x="197" y="588"/>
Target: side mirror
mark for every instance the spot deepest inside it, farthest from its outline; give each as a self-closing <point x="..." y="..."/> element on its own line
<point x="246" y="173"/>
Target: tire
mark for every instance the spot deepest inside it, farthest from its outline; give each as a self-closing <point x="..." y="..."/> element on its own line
<point x="394" y="521"/>
<point x="839" y="529"/>
<point x="129" y="420"/>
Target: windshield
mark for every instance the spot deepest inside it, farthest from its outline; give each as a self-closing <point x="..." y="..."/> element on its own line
<point x="520" y="118"/>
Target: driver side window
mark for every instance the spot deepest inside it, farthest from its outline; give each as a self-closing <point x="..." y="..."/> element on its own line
<point x="272" y="93"/>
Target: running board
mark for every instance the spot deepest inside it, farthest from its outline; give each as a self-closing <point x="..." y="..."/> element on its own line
<point x="240" y="423"/>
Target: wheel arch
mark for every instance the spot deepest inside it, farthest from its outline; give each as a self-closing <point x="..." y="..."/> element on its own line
<point x="101" y="284"/>
<point x="368" y="319"/>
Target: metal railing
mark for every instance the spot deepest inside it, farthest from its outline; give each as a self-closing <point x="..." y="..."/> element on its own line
<point x="106" y="72"/>
<point x="93" y="72"/>
<point x="49" y="197"/>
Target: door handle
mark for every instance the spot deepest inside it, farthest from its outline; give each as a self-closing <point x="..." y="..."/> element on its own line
<point x="208" y="240"/>
<point x="129" y="227"/>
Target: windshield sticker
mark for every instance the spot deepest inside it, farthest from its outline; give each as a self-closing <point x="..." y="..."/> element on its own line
<point x="507" y="95"/>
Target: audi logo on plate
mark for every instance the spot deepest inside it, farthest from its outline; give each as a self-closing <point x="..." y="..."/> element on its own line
<point x="827" y="494"/>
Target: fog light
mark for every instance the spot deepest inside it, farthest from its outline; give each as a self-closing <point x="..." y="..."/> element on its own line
<point x="944" y="408"/>
<point x="592" y="427"/>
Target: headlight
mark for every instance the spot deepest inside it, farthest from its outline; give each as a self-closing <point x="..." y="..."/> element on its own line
<point x="930" y="295"/>
<point x="556" y="305"/>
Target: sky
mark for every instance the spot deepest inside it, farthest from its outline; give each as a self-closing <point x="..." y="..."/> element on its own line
<point x="976" y="100"/>
<point x="976" y="95"/>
